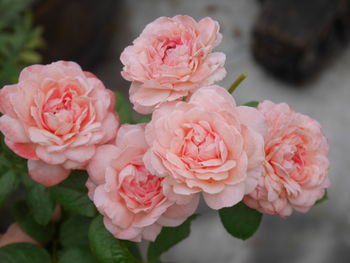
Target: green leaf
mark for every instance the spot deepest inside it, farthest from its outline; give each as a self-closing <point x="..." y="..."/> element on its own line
<point x="143" y="119"/>
<point x="169" y="237"/>
<point x="28" y="224"/>
<point x="240" y="220"/>
<point x="74" y="232"/>
<point x="253" y="104"/>
<point x="72" y="194"/>
<point x="30" y="57"/>
<point x="8" y="184"/>
<point x="324" y="198"/>
<point x="105" y="247"/>
<point x="123" y="108"/>
<point x="76" y="255"/>
<point x="40" y="203"/>
<point x="134" y="249"/>
<point x="24" y="253"/>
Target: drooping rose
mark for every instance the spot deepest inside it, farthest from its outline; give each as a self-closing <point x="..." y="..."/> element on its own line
<point x="296" y="164"/>
<point x="207" y="145"/>
<point x="170" y="59"/>
<point x="55" y="116"/>
<point x="129" y="197"/>
<point x="14" y="234"/>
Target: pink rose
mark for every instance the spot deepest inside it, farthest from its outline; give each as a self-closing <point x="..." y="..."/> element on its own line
<point x="129" y="197"/>
<point x="54" y="117"/>
<point x="207" y="145"/>
<point x="296" y="164"/>
<point x="170" y="59"/>
<point x="14" y="234"/>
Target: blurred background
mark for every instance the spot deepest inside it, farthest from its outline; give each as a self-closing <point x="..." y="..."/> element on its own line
<point x="293" y="51"/>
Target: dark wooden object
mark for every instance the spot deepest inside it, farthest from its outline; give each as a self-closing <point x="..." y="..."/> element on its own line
<point x="293" y="39"/>
<point x="78" y="30"/>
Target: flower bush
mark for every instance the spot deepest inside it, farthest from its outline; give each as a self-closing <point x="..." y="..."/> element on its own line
<point x="96" y="189"/>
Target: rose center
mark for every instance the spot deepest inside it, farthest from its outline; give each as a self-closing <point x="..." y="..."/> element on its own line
<point x="171" y="49"/>
<point x="64" y="112"/>
<point x="140" y="189"/>
<point x="202" y="147"/>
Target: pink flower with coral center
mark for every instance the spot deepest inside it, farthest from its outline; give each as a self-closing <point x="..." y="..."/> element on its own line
<point x="296" y="163"/>
<point x="129" y="196"/>
<point x="206" y="145"/>
<point x="172" y="58"/>
<point x="54" y="117"/>
<point x="140" y="190"/>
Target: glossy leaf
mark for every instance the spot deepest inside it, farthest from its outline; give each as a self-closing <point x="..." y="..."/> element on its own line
<point x="72" y="194"/>
<point x="24" y="253"/>
<point x="74" y="232"/>
<point x="27" y="223"/>
<point x="40" y="203"/>
<point x="76" y="255"/>
<point x="105" y="247"/>
<point x="240" y="220"/>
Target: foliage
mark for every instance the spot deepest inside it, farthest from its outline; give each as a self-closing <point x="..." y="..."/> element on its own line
<point x="19" y="40"/>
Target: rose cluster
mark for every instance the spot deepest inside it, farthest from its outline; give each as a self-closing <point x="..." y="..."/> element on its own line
<point x="199" y="142"/>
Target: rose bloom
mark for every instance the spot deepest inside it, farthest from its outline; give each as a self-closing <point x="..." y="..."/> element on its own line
<point x="207" y="145"/>
<point x="14" y="234"/>
<point x="296" y="163"/>
<point x="55" y="116"/>
<point x="170" y="59"/>
<point x="129" y="197"/>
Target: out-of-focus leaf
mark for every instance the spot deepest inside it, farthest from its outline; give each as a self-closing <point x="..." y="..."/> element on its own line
<point x="76" y="255"/>
<point x="24" y="253"/>
<point x="9" y="182"/>
<point x="123" y="108"/>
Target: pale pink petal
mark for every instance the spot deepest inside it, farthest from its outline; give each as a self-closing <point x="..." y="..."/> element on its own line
<point x="80" y="154"/>
<point x="230" y="196"/>
<point x="177" y="214"/>
<point x="102" y="158"/>
<point x="25" y="150"/>
<point x="110" y="127"/>
<point x="48" y="175"/>
<point x="52" y="158"/>
<point x="13" y="129"/>
<point x="253" y="119"/>
<point x="151" y="232"/>
<point x="6" y="94"/>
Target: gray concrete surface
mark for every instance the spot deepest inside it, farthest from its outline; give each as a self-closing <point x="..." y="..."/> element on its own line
<point x="322" y="235"/>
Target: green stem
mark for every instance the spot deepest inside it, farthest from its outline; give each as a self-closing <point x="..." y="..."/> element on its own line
<point x="238" y="81"/>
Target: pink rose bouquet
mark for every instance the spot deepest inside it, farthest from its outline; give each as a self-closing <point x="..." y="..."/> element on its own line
<point x="143" y="181"/>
